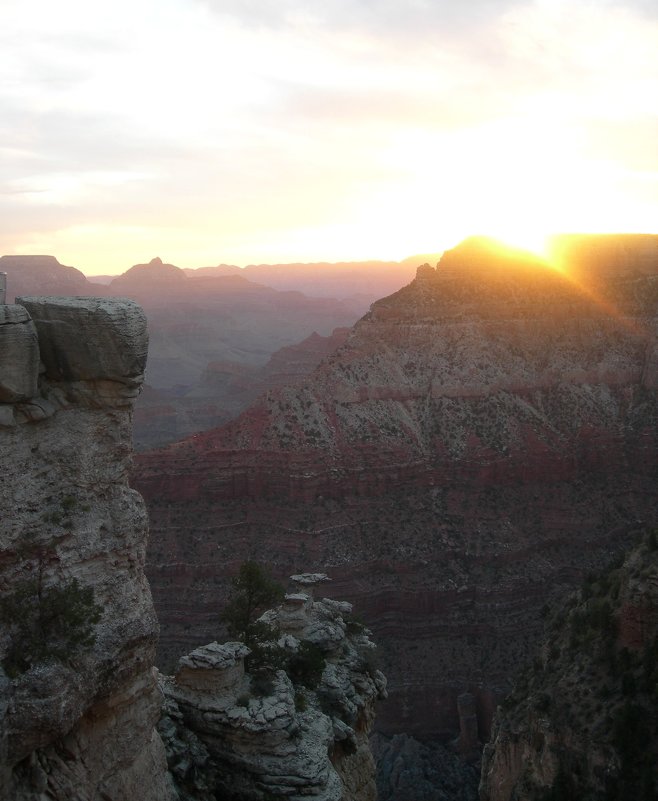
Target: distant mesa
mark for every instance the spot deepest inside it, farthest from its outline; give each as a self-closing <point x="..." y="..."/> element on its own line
<point x="143" y="275"/>
<point x="43" y="274"/>
<point x="217" y="270"/>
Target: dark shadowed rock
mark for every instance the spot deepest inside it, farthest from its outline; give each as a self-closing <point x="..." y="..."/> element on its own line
<point x="408" y="770"/>
<point x="581" y="721"/>
<point x="19" y="355"/>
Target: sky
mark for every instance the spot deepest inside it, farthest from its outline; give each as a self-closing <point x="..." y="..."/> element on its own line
<point x="248" y="131"/>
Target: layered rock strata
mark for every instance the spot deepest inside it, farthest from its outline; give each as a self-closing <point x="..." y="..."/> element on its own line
<point x="581" y="723"/>
<point x="485" y="437"/>
<point x="229" y="736"/>
<point x="80" y="724"/>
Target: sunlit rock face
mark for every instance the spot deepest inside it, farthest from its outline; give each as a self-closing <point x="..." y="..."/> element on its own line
<point x="227" y="736"/>
<point x="80" y="727"/>
<point x="484" y="437"/>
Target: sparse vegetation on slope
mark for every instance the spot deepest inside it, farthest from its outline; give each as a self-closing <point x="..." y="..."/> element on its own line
<point x="581" y="722"/>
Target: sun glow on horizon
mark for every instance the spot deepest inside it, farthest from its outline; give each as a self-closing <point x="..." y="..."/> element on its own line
<point x="346" y="134"/>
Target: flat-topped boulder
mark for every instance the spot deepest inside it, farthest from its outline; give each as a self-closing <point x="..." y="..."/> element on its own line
<point x="297" y="598"/>
<point x="19" y="355"/>
<point x="90" y="339"/>
<point x="309" y="579"/>
<point x="213" y="668"/>
<point x="306" y="582"/>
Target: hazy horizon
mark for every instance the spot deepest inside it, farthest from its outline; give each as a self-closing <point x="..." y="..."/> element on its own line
<point x="412" y="257"/>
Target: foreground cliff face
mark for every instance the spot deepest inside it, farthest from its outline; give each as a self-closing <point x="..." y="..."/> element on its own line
<point x="75" y="722"/>
<point x="233" y="734"/>
<point x="485" y="437"/>
<point x="581" y="722"/>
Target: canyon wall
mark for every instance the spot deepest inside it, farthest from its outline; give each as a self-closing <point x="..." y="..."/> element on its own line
<point x="78" y="697"/>
<point x="581" y="721"/>
<point x="484" y="437"/>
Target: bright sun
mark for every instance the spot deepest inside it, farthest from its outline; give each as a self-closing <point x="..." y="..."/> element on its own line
<point x="533" y="180"/>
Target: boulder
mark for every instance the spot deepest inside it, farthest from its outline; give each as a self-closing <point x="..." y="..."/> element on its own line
<point x="213" y="668"/>
<point x="90" y="339"/>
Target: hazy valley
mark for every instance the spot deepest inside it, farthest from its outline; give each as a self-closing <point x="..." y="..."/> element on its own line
<point x="214" y="332"/>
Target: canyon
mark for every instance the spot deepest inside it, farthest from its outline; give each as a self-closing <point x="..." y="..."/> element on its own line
<point x="484" y="438"/>
<point x="458" y="461"/>
<point x="83" y="712"/>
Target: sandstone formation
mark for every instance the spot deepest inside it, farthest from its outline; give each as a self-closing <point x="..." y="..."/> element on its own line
<point x="581" y="723"/>
<point x="484" y="438"/>
<point x="224" y="326"/>
<point x="77" y="724"/>
<point x="229" y="736"/>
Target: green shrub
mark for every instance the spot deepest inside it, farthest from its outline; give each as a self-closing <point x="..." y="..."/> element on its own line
<point x="266" y="656"/>
<point x="301" y="704"/>
<point x="305" y="667"/>
<point x="254" y="591"/>
<point x="47" y="623"/>
<point x="68" y="502"/>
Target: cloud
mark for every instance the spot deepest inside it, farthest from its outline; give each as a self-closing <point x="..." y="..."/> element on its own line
<point x="374" y="16"/>
<point x="225" y="117"/>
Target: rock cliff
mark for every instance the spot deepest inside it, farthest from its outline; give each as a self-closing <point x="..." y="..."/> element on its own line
<point x="484" y="438"/>
<point x="581" y="722"/>
<point x="78" y="697"/>
<point x="232" y="734"/>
